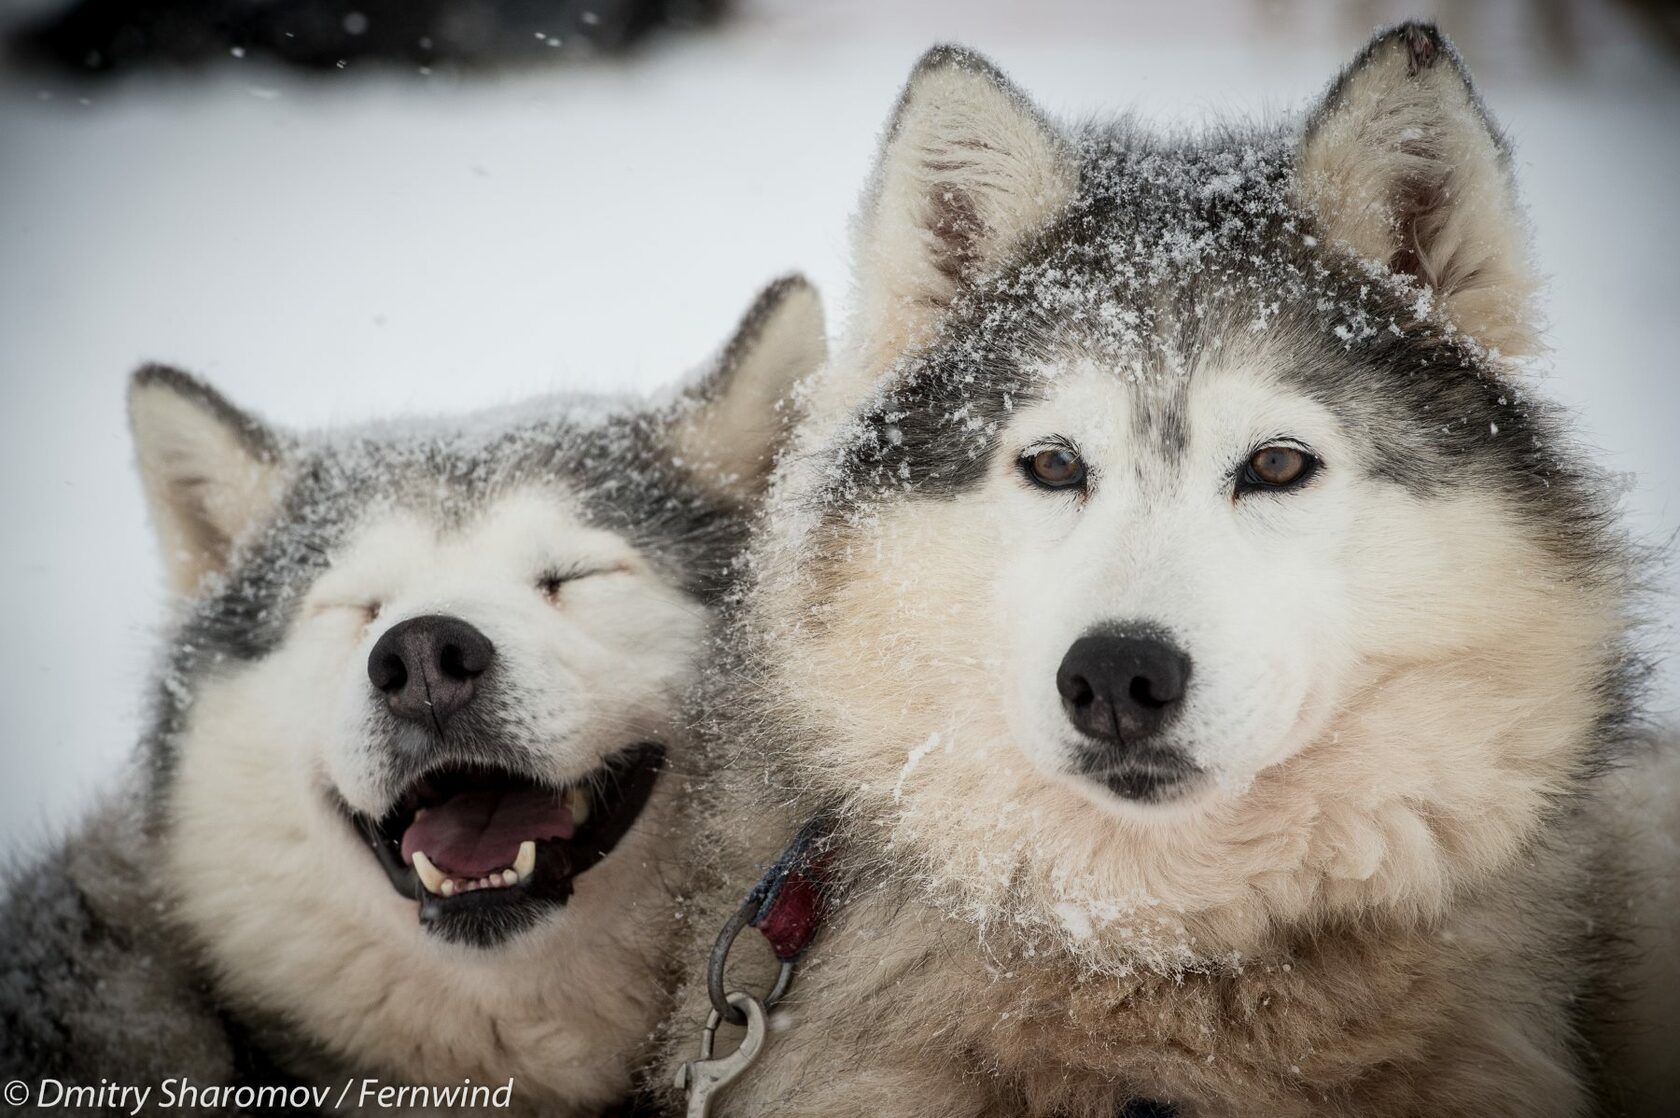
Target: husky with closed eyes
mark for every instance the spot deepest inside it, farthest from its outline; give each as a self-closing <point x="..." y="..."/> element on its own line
<point x="1202" y="648"/>
<point x="407" y="807"/>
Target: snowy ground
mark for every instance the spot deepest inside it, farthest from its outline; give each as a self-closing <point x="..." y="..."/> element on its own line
<point x="380" y="243"/>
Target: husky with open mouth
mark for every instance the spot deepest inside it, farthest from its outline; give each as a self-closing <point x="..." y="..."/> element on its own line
<point x="1197" y="647"/>
<point x="407" y="808"/>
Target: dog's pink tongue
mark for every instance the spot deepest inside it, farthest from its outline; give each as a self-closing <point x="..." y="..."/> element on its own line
<point x="473" y="833"/>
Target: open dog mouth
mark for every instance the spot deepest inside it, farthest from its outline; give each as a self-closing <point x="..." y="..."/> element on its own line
<point x="485" y="850"/>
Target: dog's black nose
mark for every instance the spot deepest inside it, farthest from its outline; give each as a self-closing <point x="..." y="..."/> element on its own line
<point x="428" y="667"/>
<point x="1122" y="688"/>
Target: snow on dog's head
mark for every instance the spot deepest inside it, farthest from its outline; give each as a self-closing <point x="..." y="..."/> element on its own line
<point x="426" y="679"/>
<point x="1172" y="548"/>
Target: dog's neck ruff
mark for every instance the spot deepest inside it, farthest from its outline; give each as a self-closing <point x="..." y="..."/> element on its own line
<point x="788" y="906"/>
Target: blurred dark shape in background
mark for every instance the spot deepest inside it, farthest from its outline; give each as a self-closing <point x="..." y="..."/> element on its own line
<point x="104" y="36"/>
<point x="1663" y="17"/>
<point x="1562" y="35"/>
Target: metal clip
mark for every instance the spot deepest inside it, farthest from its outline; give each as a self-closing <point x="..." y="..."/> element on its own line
<point x="704" y="1077"/>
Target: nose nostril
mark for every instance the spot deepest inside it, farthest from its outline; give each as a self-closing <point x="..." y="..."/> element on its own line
<point x="390" y="673"/>
<point x="458" y="663"/>
<point x="1079" y="692"/>
<point x="1142" y="692"/>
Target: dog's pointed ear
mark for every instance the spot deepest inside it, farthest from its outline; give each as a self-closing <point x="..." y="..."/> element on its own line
<point x="211" y="472"/>
<point x="1402" y="164"/>
<point x="968" y="169"/>
<point x="732" y="423"/>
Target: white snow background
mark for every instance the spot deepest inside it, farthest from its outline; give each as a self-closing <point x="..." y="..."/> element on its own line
<point x="377" y="243"/>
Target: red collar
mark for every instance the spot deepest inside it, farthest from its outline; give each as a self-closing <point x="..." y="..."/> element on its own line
<point x="787" y="906"/>
<point x="794" y="902"/>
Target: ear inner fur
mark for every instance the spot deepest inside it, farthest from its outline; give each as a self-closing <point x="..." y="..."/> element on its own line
<point x="732" y="425"/>
<point x="1404" y="166"/>
<point x="211" y="472"/>
<point x="968" y="169"/>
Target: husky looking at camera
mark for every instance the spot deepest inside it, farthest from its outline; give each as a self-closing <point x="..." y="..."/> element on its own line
<point x="1201" y="647"/>
<point x="408" y="802"/>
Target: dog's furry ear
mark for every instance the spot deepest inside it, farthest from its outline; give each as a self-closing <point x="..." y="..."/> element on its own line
<point x="967" y="170"/>
<point x="1402" y="164"/>
<point x="210" y="471"/>
<point x="733" y="422"/>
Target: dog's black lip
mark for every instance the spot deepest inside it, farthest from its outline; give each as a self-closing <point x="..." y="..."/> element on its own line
<point x="1144" y="785"/>
<point x="620" y="789"/>
<point x="1147" y="776"/>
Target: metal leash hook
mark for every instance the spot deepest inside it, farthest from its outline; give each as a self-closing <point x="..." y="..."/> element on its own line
<point x="786" y="906"/>
<point x="719" y="961"/>
<point x="705" y="1076"/>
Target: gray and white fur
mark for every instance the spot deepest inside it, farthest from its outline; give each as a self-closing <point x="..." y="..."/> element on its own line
<point x="221" y="917"/>
<point x="1206" y="647"/>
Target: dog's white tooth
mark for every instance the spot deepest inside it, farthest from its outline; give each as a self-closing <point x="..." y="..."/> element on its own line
<point x="578" y="800"/>
<point x="526" y="861"/>
<point x="447" y="889"/>
<point x="484" y="883"/>
<point x="509" y="877"/>
<point x="430" y="876"/>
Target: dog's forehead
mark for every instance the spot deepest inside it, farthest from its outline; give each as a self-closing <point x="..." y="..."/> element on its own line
<point x="434" y="483"/>
<point x="524" y="517"/>
<point x="1162" y="414"/>
<point x="460" y="472"/>
<point x="1178" y="252"/>
<point x="1164" y="245"/>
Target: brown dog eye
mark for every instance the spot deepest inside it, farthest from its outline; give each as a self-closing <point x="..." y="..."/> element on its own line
<point x="1277" y="467"/>
<point x="1057" y="467"/>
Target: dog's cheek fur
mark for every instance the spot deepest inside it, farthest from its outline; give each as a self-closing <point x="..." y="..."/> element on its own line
<point x="936" y="633"/>
<point x="1487" y="669"/>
